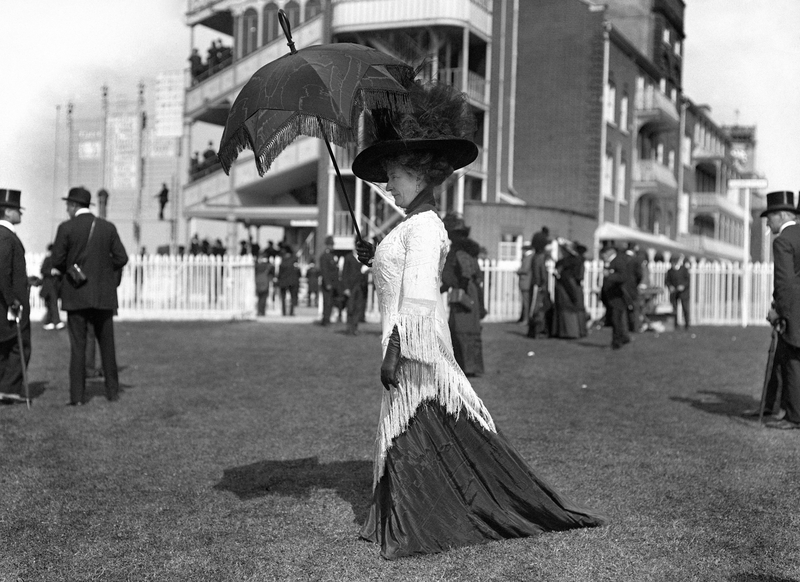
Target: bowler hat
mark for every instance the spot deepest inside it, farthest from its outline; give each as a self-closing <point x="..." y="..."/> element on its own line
<point x="79" y="195"/>
<point x="782" y="200"/>
<point x="9" y="198"/>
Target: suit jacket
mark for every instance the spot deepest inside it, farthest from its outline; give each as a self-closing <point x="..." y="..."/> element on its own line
<point x="616" y="282"/>
<point x="678" y="276"/>
<point x="786" y="294"/>
<point x="102" y="262"/>
<point x="329" y="269"/>
<point x="13" y="283"/>
<point x="352" y="276"/>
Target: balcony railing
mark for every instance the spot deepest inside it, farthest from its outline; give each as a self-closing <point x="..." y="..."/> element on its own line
<point x="476" y="89"/>
<point x="713" y="201"/>
<point x="652" y="174"/>
<point x="362" y="15"/>
<point x="653" y="106"/>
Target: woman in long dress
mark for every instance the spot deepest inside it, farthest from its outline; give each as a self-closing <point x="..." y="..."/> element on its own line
<point x="462" y="278"/>
<point x="569" y="312"/>
<point x="444" y="476"/>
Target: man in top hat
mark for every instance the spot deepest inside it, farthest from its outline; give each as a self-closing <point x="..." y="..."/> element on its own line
<point x="329" y="270"/>
<point x="92" y="244"/>
<point x="781" y="215"/>
<point x="14" y="301"/>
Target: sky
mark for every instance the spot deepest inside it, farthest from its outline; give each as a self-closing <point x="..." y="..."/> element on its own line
<point x="741" y="57"/>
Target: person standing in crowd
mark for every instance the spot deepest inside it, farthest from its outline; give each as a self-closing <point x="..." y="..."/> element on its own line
<point x="634" y="282"/>
<point x="312" y="277"/>
<point x="677" y="282"/>
<point x="90" y="245"/>
<point x="288" y="282"/>
<point x="614" y="295"/>
<point x="265" y="272"/>
<point x="525" y="273"/>
<point x="431" y="422"/>
<point x="541" y="303"/>
<point x="784" y="315"/>
<point x="569" y="311"/>
<point x="354" y="286"/>
<point x="49" y="293"/>
<point x="462" y="279"/>
<point x="329" y="271"/>
<point x="14" y="300"/>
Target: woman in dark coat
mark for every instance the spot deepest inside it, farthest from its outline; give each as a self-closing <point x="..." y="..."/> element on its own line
<point x="569" y="317"/>
<point x="462" y="278"/>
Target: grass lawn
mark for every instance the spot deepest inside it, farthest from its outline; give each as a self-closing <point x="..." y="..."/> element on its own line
<point x="242" y="452"/>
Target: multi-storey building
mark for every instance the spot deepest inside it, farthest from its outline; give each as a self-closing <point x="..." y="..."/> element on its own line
<point x="582" y="124"/>
<point x="128" y="151"/>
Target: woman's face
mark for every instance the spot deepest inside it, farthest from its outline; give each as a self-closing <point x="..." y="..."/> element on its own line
<point x="404" y="184"/>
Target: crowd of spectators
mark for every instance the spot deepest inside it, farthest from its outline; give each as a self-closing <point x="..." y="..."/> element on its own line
<point x="218" y="57"/>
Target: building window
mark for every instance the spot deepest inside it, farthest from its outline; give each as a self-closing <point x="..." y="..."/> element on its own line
<point x="250" y="20"/>
<point x="611" y="104"/>
<point x="608" y="176"/>
<point x="292" y="9"/>
<point x="660" y="153"/>
<point x="623" y="113"/>
<point x="622" y="176"/>
<point x="313" y="8"/>
<point x="677" y="48"/>
<point x="686" y="150"/>
<point x="662" y="86"/>
<point x="671" y="160"/>
<point x="665" y="35"/>
<point x="270" y="23"/>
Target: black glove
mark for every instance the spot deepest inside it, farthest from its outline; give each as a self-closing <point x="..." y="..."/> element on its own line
<point x="365" y="252"/>
<point x="391" y="361"/>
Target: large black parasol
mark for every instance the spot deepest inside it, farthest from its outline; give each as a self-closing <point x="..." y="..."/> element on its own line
<point x="317" y="91"/>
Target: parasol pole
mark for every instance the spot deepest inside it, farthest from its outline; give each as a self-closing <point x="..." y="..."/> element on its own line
<point x="287" y="31"/>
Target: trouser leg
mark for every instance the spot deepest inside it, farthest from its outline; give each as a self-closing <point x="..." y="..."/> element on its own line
<point x="103" y="322"/>
<point x="76" y="325"/>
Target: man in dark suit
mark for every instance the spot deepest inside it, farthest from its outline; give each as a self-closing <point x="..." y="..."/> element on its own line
<point x="14" y="301"/>
<point x="677" y="281"/>
<point x="354" y="284"/>
<point x="781" y="214"/>
<point x="93" y="244"/>
<point x="329" y="271"/>
<point x="614" y="294"/>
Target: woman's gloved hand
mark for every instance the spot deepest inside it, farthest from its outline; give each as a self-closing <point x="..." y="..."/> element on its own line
<point x="365" y="251"/>
<point x="391" y="361"/>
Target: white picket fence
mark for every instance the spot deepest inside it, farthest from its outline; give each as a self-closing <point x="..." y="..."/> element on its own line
<point x="209" y="287"/>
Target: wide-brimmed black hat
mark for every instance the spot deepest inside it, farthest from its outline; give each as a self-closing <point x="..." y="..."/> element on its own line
<point x="79" y="195"/>
<point x="10" y="198"/>
<point x="368" y="165"/>
<point x="782" y="200"/>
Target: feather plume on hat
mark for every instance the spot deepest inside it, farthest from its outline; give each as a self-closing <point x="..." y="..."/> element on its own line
<point x="440" y="121"/>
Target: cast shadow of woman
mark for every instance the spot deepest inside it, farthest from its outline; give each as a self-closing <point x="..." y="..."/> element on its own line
<point x="351" y="480"/>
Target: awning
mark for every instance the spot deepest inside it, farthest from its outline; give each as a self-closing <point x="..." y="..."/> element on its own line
<point x="659" y="242"/>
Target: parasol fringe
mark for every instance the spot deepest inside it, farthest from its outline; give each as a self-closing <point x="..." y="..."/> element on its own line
<point x="230" y="150"/>
<point x="300" y="124"/>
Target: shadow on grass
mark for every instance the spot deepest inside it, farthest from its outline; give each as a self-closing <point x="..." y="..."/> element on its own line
<point x="352" y="480"/>
<point x="747" y="577"/>
<point x="724" y="403"/>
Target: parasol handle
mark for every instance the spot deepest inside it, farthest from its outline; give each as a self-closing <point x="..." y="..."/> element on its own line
<point x="287" y="29"/>
<point x="339" y="176"/>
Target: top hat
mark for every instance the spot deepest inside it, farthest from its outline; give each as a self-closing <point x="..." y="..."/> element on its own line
<point x="10" y="198"/>
<point x="777" y="201"/>
<point x="79" y="195"/>
<point x="439" y="121"/>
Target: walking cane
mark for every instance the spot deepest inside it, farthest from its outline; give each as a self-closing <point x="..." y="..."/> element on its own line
<point x="22" y="362"/>
<point x="768" y="373"/>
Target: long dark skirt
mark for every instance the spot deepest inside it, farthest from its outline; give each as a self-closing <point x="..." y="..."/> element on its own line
<point x="448" y="483"/>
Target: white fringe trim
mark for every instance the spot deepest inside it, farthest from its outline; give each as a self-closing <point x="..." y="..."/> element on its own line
<point x="430" y="378"/>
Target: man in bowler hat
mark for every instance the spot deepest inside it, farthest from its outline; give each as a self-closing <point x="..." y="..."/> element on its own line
<point x="14" y="300"/>
<point x="92" y="244"/>
<point x="781" y="215"/>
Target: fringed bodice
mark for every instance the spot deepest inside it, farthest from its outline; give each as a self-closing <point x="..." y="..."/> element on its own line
<point x="407" y="271"/>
